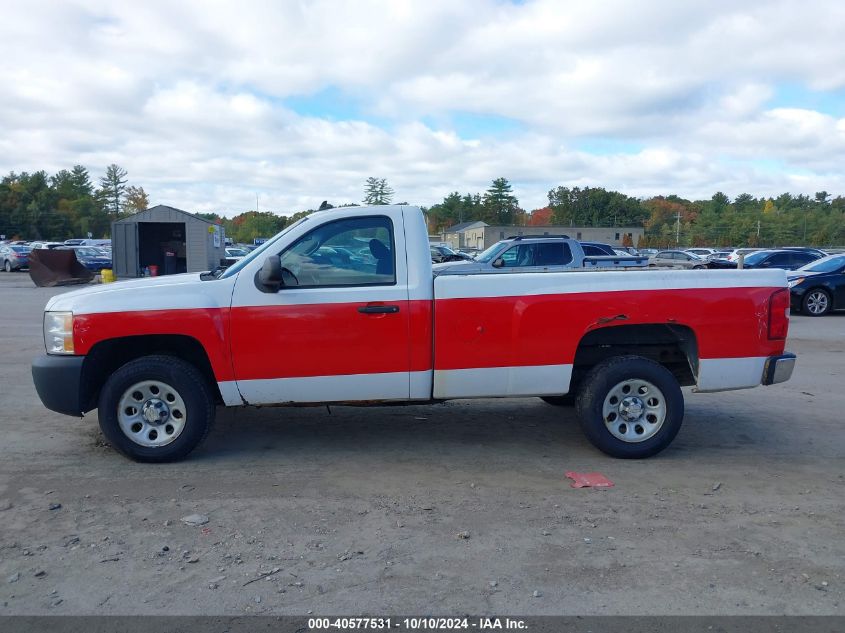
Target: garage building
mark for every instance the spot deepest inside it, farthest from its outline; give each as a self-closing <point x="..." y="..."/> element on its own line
<point x="165" y="240"/>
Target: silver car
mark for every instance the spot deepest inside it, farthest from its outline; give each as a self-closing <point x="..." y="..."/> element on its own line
<point x="677" y="259"/>
<point x="14" y="257"/>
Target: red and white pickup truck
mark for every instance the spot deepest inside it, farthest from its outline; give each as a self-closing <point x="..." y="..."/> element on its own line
<point x="342" y="307"/>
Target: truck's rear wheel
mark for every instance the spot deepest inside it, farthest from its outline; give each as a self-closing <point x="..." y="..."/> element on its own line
<point x="156" y="409"/>
<point x="630" y="407"/>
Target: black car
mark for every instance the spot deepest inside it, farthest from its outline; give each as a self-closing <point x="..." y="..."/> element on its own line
<point x="818" y="287"/>
<point x="785" y="259"/>
<point x="803" y="249"/>
<point x="597" y="249"/>
<point x="440" y="254"/>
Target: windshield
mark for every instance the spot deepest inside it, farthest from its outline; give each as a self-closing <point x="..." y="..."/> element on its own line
<point x="88" y="252"/>
<point x="236" y="252"/>
<point x="237" y="266"/>
<point x="826" y="265"/>
<point x="490" y="253"/>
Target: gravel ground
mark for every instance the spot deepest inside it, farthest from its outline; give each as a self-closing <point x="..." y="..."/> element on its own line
<point x="454" y="508"/>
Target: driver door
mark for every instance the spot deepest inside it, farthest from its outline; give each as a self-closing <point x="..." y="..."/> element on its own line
<point x="338" y="329"/>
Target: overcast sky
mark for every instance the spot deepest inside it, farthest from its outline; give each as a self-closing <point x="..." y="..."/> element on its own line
<point x="208" y="104"/>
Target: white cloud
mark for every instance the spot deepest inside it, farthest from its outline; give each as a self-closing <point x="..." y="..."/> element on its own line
<point x="189" y="96"/>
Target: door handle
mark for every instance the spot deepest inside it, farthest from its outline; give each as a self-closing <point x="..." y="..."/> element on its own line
<point x="370" y="309"/>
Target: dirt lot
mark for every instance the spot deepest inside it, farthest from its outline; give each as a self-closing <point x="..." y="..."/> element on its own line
<point x="359" y="511"/>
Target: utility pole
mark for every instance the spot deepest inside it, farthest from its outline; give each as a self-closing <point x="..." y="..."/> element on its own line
<point x="677" y="227"/>
<point x="758" y="229"/>
<point x="256" y="202"/>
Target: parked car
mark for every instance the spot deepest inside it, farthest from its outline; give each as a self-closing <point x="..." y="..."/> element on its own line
<point x="719" y="254"/>
<point x="786" y="260"/>
<point x="77" y="241"/>
<point x="538" y="254"/>
<point x="14" y="257"/>
<point x="804" y="249"/>
<point x="648" y="252"/>
<point x="38" y="245"/>
<point x="157" y="355"/>
<point x="677" y="259"/>
<point x="234" y="254"/>
<point x="92" y="258"/>
<point x="703" y="253"/>
<point x="441" y="254"/>
<point x="733" y="256"/>
<point x="99" y="243"/>
<point x="818" y="288"/>
<point x="597" y="249"/>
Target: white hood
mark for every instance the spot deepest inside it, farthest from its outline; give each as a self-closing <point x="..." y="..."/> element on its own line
<point x="169" y="292"/>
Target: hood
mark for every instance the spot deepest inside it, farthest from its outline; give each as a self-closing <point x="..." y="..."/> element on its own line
<point x="170" y="292"/>
<point x="463" y="266"/>
<point x="795" y="274"/>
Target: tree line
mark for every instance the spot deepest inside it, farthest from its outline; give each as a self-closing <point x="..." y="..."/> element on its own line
<point x="37" y="206"/>
<point x="69" y="204"/>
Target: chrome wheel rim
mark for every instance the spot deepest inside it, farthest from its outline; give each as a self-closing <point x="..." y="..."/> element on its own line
<point x="817" y="302"/>
<point x="151" y="413"/>
<point x="634" y="410"/>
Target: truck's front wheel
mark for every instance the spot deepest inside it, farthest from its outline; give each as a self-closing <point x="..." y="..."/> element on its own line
<point x="630" y="407"/>
<point x="156" y="409"/>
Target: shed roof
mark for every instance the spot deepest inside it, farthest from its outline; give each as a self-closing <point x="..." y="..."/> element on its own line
<point x="463" y="226"/>
<point x="159" y="209"/>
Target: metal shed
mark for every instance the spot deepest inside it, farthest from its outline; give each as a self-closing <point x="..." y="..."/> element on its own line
<point x="167" y="240"/>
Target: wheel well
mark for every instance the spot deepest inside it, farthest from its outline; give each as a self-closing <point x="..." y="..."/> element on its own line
<point x="108" y="356"/>
<point x="673" y="346"/>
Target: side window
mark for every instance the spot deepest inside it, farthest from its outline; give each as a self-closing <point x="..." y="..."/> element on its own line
<point x="780" y="259"/>
<point x="552" y="254"/>
<point x="802" y="258"/>
<point x="348" y="252"/>
<point x="517" y="256"/>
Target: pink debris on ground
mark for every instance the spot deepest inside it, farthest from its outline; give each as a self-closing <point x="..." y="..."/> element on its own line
<point x="589" y="480"/>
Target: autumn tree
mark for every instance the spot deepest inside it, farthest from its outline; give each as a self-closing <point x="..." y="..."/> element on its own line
<point x="136" y="199"/>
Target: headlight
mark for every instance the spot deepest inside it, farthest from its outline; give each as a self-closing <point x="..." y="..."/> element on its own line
<point x="58" y="332"/>
<point x="795" y="282"/>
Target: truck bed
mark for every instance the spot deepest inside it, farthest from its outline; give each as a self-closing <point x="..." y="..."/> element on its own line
<point x="517" y="335"/>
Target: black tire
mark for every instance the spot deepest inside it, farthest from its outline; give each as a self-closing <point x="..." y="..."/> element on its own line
<point x="567" y="400"/>
<point x="191" y="386"/>
<point x="597" y="386"/>
<point x="813" y="298"/>
<point x="7" y="266"/>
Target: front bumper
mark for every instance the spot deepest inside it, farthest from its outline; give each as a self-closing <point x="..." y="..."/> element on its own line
<point x="58" y="380"/>
<point x="778" y="369"/>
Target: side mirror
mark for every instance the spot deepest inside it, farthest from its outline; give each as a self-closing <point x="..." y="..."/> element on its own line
<point x="498" y="262"/>
<point x="270" y="274"/>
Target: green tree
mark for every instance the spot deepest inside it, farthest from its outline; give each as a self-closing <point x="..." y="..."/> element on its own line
<point x="500" y="203"/>
<point x="377" y="191"/>
<point x="113" y="188"/>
